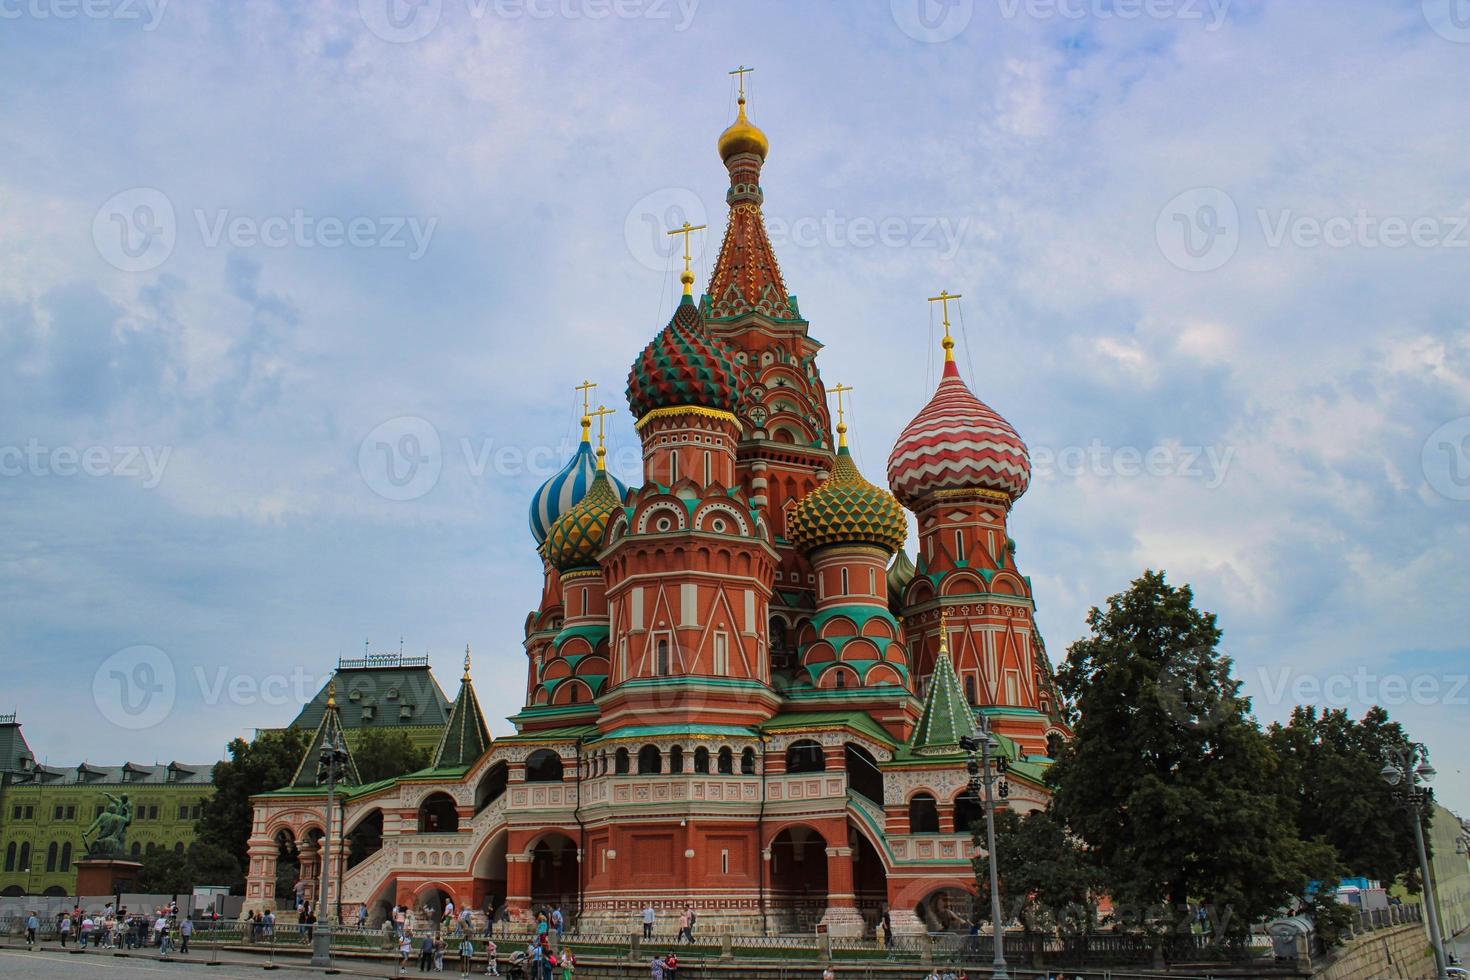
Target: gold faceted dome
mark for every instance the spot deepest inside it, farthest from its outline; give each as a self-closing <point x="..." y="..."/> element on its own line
<point x="576" y="537"/>
<point x="846" y="509"/>
<point x="743" y="137"/>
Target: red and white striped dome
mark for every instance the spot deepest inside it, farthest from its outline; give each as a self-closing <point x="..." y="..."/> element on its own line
<point x="957" y="442"/>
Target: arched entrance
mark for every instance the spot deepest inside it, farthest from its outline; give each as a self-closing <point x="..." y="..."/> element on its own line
<point x="438" y="814"/>
<point x="490" y="873"/>
<point x="288" y="866"/>
<point x="869" y="878"/>
<point x="946" y="910"/>
<point x="429" y="905"/>
<point x="798" y="890"/>
<point x="365" y="839"/>
<point x="554" y="873"/>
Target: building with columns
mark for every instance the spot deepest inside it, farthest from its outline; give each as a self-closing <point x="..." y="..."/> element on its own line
<point x="742" y="694"/>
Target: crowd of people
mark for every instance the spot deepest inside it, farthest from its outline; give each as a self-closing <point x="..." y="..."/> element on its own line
<point x="117" y="928"/>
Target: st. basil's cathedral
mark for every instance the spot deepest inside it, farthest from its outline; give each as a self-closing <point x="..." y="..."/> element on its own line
<point x="742" y="695"/>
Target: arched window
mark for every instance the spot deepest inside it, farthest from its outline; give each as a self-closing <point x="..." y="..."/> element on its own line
<point x="701" y="759"/>
<point x="863" y="775"/>
<point x="10" y="857"/>
<point x="575" y="697"/>
<point x="843" y="576"/>
<point x="136" y="850"/>
<point x="676" y="759"/>
<point x="1054" y="743"/>
<point x="970" y="689"/>
<point x="543" y="766"/>
<point x="51" y="853"/>
<point x="923" y="814"/>
<point x="805" y="755"/>
<point x="708" y="469"/>
<point x="491" y="786"/>
<point x="650" y="761"/>
<point x="620" y="762"/>
<point x="66" y="855"/>
<point x="663" y="658"/>
<point x="777" y="638"/>
<point x="727" y="761"/>
<point x="747" y="762"/>
<point x="149" y="849"/>
<point x="673" y="468"/>
<point x="967" y="813"/>
<point x="438" y="814"/>
<point x="178" y="849"/>
<point x="839" y="680"/>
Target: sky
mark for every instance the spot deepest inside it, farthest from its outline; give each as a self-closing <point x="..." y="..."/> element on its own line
<point x="293" y="298"/>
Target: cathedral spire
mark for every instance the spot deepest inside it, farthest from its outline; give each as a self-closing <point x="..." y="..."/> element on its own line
<point x="465" y="738"/>
<point x="746" y="278"/>
<point x="328" y="732"/>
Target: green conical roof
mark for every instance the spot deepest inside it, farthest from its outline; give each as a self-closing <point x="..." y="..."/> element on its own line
<point x="900" y="574"/>
<point x="947" y="716"/>
<point x="465" y="737"/>
<point x="329" y="729"/>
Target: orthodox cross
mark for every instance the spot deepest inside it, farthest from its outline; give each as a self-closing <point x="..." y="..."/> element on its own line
<point x="602" y="410"/>
<point x="687" y="277"/>
<point x="586" y="389"/>
<point x="466" y="661"/>
<point x="943" y="298"/>
<point x="839" y="390"/>
<point x="740" y="74"/>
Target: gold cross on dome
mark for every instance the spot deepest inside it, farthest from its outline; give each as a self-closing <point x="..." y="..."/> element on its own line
<point x="943" y="298"/>
<point x="602" y="410"/>
<point x="740" y="74"/>
<point x="839" y="390"/>
<point x="686" y="277"/>
<point x="586" y="389"/>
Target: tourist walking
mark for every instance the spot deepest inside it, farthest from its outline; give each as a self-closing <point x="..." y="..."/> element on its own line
<point x="405" y="950"/>
<point x="556" y="922"/>
<point x="567" y="961"/>
<point x="426" y="953"/>
<point x="492" y="969"/>
<point x="63" y="928"/>
<point x="186" y="929"/>
<point x="693" y="918"/>
<point x="648" y="917"/>
<point x="466" y="954"/>
<point x="32" y="924"/>
<point x="683" y="926"/>
<point x="656" y="965"/>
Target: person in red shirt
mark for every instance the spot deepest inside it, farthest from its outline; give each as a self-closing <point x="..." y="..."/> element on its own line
<point x="671" y="966"/>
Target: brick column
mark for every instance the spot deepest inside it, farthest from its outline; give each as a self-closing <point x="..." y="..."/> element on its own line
<point x="842" y="918"/>
<point x="518" y="887"/>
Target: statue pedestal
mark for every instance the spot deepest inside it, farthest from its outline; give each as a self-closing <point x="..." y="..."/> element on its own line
<point x="106" y="876"/>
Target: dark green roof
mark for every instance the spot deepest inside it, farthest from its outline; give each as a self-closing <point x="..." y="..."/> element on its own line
<point x="466" y="737"/>
<point x="15" y="754"/>
<point x="330" y="728"/>
<point x="947" y="716"/>
<point x="387" y="686"/>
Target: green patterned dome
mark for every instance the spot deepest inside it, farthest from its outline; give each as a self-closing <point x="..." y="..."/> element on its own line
<point x="846" y="509"/>
<point x="685" y="366"/>
<point x="576" y="537"/>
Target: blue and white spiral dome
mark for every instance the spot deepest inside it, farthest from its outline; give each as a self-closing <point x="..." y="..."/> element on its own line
<point x="563" y="491"/>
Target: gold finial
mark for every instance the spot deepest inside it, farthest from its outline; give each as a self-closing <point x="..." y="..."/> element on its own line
<point x="742" y="136"/>
<point x="586" y="389"/>
<point x="602" y="410"/>
<point x="686" y="277"/>
<point x="943" y="630"/>
<point x="466" y="662"/>
<point x="331" y="695"/>
<point x="839" y="390"/>
<point x="944" y="297"/>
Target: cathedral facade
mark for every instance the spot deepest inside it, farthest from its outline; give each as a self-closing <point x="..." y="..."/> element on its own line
<point x="742" y="693"/>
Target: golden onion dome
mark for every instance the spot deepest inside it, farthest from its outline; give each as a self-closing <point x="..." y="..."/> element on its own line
<point x="576" y="537"/>
<point x="846" y="509"/>
<point x="743" y="136"/>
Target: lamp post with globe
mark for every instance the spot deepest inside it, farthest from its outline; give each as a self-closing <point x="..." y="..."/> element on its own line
<point x="331" y="766"/>
<point x="983" y="744"/>
<point x="1408" y="772"/>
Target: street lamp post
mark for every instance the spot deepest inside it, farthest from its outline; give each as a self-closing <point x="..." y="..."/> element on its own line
<point x="1408" y="771"/>
<point x="331" y="766"/>
<point x="980" y="774"/>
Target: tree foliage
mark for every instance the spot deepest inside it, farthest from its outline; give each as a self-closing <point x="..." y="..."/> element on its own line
<point x="268" y="762"/>
<point x="169" y="872"/>
<point x="1169" y="781"/>
<point x="1330" y="780"/>
<point x="382" y="753"/>
<point x="1047" y="881"/>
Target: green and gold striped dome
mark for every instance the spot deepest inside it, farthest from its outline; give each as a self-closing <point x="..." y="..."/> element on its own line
<point x="576" y="537"/>
<point x="846" y="509"/>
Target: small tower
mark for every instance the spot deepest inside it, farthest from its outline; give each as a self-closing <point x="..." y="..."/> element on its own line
<point x="466" y="737"/>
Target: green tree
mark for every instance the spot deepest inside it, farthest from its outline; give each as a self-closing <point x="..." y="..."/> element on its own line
<point x="170" y="872"/>
<point x="1330" y="779"/>
<point x="266" y="763"/>
<point x="1047" y="881"/>
<point x="383" y="753"/>
<point x="1166" y="781"/>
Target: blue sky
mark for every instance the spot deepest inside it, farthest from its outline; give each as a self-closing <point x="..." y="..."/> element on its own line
<point x="1213" y="257"/>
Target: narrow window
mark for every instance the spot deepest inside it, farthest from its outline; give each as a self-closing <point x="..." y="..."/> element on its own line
<point x="722" y="655"/>
<point x="663" y="658"/>
<point x="970" y="690"/>
<point x="844" y="582"/>
<point x="708" y="468"/>
<point x="724" y="862"/>
<point x="673" y="467"/>
<point x="959" y="545"/>
<point x="872" y="588"/>
<point x="66" y="855"/>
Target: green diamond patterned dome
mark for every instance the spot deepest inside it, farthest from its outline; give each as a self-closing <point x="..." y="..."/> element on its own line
<point x="684" y="365"/>
<point x="576" y="537"/>
<point x="846" y="509"/>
